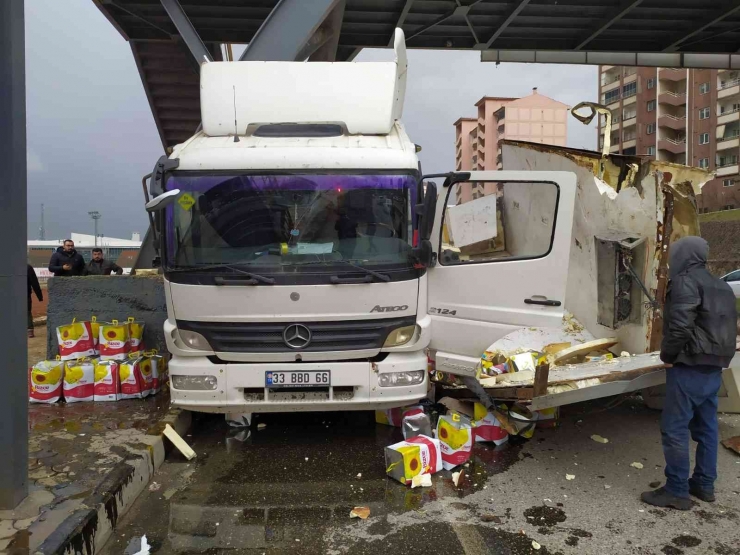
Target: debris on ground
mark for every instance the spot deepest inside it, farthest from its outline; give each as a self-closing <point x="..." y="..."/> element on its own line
<point x="359" y="474"/>
<point x="732" y="443"/>
<point x="637" y="465"/>
<point x="456" y="477"/>
<point x="455" y="435"/>
<point x="421" y="480"/>
<point x="138" y="546"/>
<point x="491" y="518"/>
<point x="261" y="426"/>
<point x="178" y="442"/>
<point x="607" y="486"/>
<point x="360" y="512"/>
<point x="417" y="455"/>
<point x="535" y="545"/>
<point x="598" y="439"/>
<point x="154" y="486"/>
<point x="570" y="476"/>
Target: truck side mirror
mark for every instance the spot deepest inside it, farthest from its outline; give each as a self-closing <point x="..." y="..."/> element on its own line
<point x="162" y="201"/>
<point x="424" y="251"/>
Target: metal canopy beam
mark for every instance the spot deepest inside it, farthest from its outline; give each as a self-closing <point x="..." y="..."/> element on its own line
<point x="332" y="27"/>
<point x="714" y="17"/>
<point x="13" y="272"/>
<point x="640" y="59"/>
<point x="401" y="20"/>
<point x="615" y="15"/>
<point x="287" y="30"/>
<point x="187" y="31"/>
<point x="508" y="18"/>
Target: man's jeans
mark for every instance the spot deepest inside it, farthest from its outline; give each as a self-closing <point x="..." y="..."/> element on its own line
<point x="690" y="405"/>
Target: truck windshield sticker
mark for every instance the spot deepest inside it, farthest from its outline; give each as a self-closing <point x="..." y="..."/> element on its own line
<point x="186" y="201"/>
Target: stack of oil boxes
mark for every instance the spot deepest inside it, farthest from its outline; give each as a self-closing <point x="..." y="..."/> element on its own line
<point x="98" y="362"/>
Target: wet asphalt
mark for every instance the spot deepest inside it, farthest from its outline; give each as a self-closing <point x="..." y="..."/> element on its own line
<point x="289" y="487"/>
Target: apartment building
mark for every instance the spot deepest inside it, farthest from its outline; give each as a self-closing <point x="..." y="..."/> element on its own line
<point x="689" y="117"/>
<point x="536" y="118"/>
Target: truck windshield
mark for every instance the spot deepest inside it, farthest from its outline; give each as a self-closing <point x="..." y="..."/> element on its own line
<point x="277" y="223"/>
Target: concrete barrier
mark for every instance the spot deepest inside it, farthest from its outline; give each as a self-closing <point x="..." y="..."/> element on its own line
<point x="107" y="298"/>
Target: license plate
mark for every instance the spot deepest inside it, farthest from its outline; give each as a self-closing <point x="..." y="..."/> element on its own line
<point x="298" y="378"/>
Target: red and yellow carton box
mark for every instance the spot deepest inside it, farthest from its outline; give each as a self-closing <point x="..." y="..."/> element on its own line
<point x="416" y="455"/>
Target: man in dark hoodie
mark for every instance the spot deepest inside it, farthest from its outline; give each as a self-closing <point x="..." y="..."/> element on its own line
<point x="66" y="261"/>
<point x="699" y="330"/>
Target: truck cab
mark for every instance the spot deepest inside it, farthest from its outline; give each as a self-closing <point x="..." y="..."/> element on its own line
<point x="308" y="264"/>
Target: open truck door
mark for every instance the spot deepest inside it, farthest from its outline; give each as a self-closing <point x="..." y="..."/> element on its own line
<point x="503" y="242"/>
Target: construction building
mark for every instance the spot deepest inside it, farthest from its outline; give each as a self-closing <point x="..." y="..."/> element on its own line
<point x="686" y="116"/>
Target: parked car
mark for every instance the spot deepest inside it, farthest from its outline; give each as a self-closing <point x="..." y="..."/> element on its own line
<point x="733" y="279"/>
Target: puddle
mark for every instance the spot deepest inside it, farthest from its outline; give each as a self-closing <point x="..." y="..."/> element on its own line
<point x="542" y="515"/>
<point x="686" y="541"/>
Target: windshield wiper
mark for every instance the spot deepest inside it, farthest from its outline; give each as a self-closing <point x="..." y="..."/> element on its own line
<point x="254" y="279"/>
<point x="366" y="279"/>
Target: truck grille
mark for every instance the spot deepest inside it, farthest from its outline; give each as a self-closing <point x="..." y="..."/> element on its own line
<point x="349" y="335"/>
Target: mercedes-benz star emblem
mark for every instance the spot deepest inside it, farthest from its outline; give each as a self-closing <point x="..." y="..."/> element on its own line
<point x="297" y="336"/>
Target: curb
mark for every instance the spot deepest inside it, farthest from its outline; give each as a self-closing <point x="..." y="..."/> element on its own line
<point x="86" y="530"/>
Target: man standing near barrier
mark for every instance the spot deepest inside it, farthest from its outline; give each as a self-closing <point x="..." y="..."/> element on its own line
<point x="699" y="330"/>
<point x="98" y="266"/>
<point x="33" y="286"/>
<point x="66" y="261"/>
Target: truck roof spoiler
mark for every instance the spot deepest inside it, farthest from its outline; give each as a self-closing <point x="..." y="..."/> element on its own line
<point x="366" y="98"/>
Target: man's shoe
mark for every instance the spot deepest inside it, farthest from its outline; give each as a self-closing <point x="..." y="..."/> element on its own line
<point x="700" y="493"/>
<point x="661" y="498"/>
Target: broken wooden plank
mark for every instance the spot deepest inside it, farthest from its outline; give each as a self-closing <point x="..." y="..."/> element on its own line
<point x="178" y="442"/>
<point x="541" y="377"/>
<point x="562" y="357"/>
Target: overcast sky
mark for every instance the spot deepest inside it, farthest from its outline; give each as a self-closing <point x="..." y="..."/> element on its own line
<point x="91" y="135"/>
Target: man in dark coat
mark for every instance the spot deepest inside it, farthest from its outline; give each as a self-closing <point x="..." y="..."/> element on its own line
<point x="699" y="331"/>
<point x="98" y="266"/>
<point x="33" y="285"/>
<point x="66" y="261"/>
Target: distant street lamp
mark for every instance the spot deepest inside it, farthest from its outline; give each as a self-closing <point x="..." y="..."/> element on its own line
<point x="95" y="215"/>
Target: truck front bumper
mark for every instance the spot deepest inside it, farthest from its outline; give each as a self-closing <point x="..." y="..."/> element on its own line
<point x="240" y="387"/>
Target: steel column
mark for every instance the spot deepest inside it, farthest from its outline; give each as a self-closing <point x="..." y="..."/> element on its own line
<point x="287" y="29"/>
<point x="13" y="280"/>
<point x="187" y="31"/>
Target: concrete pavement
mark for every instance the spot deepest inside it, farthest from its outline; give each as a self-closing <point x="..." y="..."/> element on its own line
<point x="290" y="486"/>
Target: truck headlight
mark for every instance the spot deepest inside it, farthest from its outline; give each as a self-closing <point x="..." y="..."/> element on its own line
<point x="400" y="336"/>
<point x="391" y="379"/>
<point x="193" y="340"/>
<point x="195" y="383"/>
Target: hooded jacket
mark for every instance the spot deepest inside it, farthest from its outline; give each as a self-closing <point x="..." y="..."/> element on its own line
<point x="60" y="258"/>
<point x="699" y="318"/>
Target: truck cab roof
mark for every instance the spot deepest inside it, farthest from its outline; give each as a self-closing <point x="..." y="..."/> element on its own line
<point x="391" y="151"/>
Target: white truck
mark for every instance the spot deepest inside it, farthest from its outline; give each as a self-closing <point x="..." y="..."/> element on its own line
<point x="306" y="269"/>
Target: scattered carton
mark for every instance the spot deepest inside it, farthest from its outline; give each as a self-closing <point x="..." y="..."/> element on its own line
<point x="455" y="434"/>
<point x="417" y="455"/>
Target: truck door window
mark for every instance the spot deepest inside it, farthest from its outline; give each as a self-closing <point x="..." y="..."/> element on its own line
<point x="497" y="221"/>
